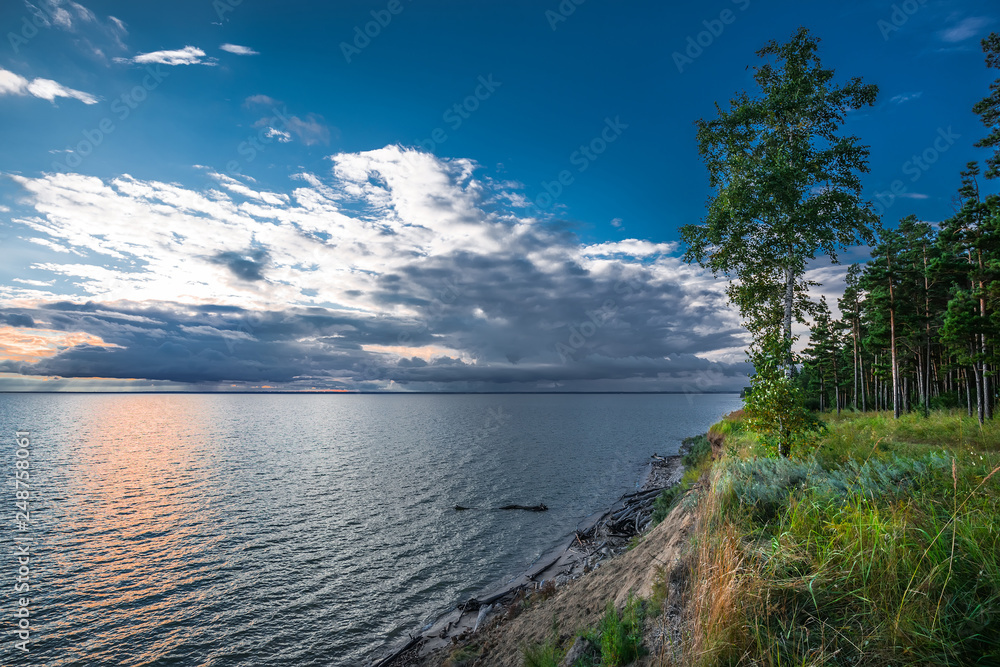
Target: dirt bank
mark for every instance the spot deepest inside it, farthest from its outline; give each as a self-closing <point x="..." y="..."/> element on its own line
<point x="578" y="605"/>
<point x="571" y="586"/>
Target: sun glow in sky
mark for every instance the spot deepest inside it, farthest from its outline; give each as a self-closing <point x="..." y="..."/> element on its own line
<point x="31" y="345"/>
<point x="459" y="197"/>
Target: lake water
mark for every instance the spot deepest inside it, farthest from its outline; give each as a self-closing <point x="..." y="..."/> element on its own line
<point x="298" y="529"/>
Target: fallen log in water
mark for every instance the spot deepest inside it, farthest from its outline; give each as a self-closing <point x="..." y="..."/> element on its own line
<point x="599" y="538"/>
<point x="541" y="507"/>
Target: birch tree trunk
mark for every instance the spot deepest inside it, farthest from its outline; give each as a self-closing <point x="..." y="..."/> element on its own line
<point x="789" y="303"/>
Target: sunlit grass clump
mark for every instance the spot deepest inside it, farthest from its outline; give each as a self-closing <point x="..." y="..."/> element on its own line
<point x="878" y="546"/>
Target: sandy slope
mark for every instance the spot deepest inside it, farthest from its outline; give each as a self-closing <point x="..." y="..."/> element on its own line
<point x="578" y="605"/>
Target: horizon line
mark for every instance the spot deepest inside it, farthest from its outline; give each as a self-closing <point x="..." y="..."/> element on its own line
<point x="368" y="393"/>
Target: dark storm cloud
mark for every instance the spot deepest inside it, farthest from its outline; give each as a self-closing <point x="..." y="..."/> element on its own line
<point x="247" y="265"/>
<point x="525" y="329"/>
<point x="456" y="297"/>
<point x="17" y="320"/>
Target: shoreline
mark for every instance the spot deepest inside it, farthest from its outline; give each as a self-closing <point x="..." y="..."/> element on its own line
<point x="597" y="538"/>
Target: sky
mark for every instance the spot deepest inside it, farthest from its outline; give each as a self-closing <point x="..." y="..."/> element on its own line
<point x="408" y="195"/>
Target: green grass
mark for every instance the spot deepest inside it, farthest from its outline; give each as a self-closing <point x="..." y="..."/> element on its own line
<point x="464" y="656"/>
<point x="697" y="461"/>
<point x="879" y="546"/>
<point x="621" y="634"/>
<point x="618" y="635"/>
<point x="546" y="654"/>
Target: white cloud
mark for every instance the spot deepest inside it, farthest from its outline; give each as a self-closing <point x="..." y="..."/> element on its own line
<point x="906" y="97"/>
<point x="91" y="35"/>
<point x="52" y="245"/>
<point x="34" y="283"/>
<point x="965" y="29"/>
<point x="189" y="55"/>
<point x="239" y="50"/>
<point x="392" y="240"/>
<point x="630" y="248"/>
<point x="282" y="137"/>
<point x="62" y="18"/>
<point x="84" y="13"/>
<point x="261" y="100"/>
<point x="46" y="89"/>
<point x="516" y="199"/>
<point x="407" y="207"/>
<point x="310" y="130"/>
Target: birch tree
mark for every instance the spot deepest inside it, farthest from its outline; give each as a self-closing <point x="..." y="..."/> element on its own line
<point x="786" y="184"/>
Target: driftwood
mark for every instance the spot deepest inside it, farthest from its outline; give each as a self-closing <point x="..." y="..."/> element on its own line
<point x="607" y="536"/>
<point x="541" y="507"/>
<point x="630" y="516"/>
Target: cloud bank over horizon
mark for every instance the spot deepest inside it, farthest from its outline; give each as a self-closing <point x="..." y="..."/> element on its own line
<point x="397" y="270"/>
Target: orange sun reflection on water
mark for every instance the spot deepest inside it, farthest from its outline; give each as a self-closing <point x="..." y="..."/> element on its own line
<point x="140" y="470"/>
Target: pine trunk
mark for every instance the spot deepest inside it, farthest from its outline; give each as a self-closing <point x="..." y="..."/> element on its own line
<point x="892" y="340"/>
<point x="927" y="339"/>
<point x="854" y="335"/>
<point x="861" y="367"/>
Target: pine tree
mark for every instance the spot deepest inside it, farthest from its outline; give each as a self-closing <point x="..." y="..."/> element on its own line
<point x="989" y="108"/>
<point x="851" y="304"/>
<point x="882" y="278"/>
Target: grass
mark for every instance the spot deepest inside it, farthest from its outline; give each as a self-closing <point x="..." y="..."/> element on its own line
<point x="546" y="654"/>
<point x="618" y="635"/>
<point x="878" y="546"/>
<point x="697" y="460"/>
<point x="621" y="634"/>
<point x="464" y="656"/>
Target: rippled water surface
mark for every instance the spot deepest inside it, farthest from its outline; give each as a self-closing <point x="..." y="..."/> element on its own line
<point x="300" y="529"/>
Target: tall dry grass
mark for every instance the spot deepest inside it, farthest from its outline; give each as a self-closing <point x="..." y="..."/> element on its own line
<point x="879" y="547"/>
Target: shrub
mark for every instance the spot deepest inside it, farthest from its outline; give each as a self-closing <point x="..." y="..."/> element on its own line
<point x="696" y="459"/>
<point x="697" y="450"/>
<point x="621" y="635"/>
<point x="881" y="549"/>
<point x="546" y="654"/>
<point x="463" y="656"/>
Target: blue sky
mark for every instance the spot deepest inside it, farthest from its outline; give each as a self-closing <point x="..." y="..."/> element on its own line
<point x="367" y="195"/>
